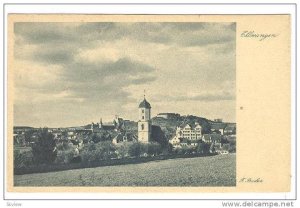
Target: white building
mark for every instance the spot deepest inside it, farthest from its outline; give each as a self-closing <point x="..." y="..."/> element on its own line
<point x="189" y="131"/>
<point x="187" y="134"/>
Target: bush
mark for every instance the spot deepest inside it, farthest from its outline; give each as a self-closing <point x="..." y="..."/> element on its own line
<point x="154" y="148"/>
<point x="202" y="148"/>
<point x="65" y="156"/>
<point x="122" y="150"/>
<point x="88" y="156"/>
<point x="232" y="146"/>
<point x="136" y="149"/>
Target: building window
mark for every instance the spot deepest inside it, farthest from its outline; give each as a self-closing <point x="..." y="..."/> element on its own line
<point x="143" y="111"/>
<point x="142" y="126"/>
<point x="143" y="117"/>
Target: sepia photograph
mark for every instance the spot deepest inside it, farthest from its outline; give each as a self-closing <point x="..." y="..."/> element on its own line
<point x="130" y="105"/>
<point x="149" y="104"/>
<point x="124" y="103"/>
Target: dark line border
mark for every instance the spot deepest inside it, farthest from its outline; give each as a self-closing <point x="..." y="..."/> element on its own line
<point x="183" y="4"/>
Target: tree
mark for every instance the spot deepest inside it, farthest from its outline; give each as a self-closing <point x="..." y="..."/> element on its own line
<point x="157" y="135"/>
<point x="63" y="144"/>
<point x="136" y="149"/>
<point x="44" y="149"/>
<point x="97" y="152"/>
<point x="202" y="148"/>
<point x="105" y="149"/>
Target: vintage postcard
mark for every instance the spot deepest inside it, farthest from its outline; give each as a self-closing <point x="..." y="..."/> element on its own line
<point x="149" y="103"/>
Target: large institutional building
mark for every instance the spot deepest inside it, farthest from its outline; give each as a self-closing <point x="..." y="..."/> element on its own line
<point x="144" y="123"/>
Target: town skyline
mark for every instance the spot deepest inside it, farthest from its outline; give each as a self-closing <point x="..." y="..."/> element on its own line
<point x="70" y="74"/>
<point x="113" y="117"/>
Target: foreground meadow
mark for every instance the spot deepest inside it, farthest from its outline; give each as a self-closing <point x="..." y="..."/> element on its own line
<point x="217" y="170"/>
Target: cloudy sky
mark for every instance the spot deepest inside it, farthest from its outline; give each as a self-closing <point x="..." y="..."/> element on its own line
<point x="68" y="74"/>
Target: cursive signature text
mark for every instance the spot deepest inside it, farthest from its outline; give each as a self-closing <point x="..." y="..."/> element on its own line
<point x="251" y="180"/>
<point x="258" y="36"/>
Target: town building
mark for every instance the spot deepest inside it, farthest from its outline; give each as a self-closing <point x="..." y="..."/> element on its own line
<point x="187" y="134"/>
<point x="116" y="124"/>
<point x="191" y="131"/>
<point x="218" y="128"/>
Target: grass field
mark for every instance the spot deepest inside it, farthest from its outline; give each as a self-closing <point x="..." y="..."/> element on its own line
<point x="217" y="170"/>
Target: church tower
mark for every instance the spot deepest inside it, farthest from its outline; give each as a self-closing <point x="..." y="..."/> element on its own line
<point x="144" y="123"/>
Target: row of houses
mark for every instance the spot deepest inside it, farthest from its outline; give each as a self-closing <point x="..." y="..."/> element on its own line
<point x="190" y="134"/>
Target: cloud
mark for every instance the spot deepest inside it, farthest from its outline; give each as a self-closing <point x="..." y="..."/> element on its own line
<point x="48" y="32"/>
<point x="204" y="97"/>
<point x="100" y="68"/>
<point x="92" y="81"/>
<point x="89" y="81"/>
<point x="185" y="34"/>
<point x="54" y="56"/>
<point x="182" y="33"/>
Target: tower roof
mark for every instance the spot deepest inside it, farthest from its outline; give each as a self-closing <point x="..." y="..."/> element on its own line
<point x="145" y="104"/>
